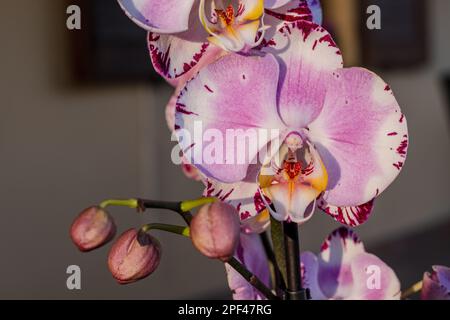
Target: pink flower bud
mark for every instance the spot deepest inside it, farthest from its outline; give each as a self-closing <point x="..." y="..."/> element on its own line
<point x="135" y="255"/>
<point x="92" y="228"/>
<point x="215" y="230"/>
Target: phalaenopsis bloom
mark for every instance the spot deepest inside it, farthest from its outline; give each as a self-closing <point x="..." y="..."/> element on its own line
<point x="340" y="140"/>
<point x="341" y="270"/>
<point x="185" y="35"/>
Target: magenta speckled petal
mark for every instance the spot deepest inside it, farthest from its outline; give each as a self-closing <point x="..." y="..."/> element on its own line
<point x="361" y="136"/>
<point x="243" y="195"/>
<point x="179" y="57"/>
<point x="250" y="252"/>
<point x="235" y="93"/>
<point x="350" y="216"/>
<point x="307" y="56"/>
<point x="276" y="18"/>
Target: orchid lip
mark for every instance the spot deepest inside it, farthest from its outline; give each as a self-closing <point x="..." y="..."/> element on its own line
<point x="233" y="28"/>
<point x="294" y="182"/>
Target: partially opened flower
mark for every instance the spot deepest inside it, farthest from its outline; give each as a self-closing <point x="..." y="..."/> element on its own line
<point x="185" y="35"/>
<point x="344" y="270"/>
<point x="436" y="285"/>
<point x="250" y="252"/>
<point x="339" y="135"/>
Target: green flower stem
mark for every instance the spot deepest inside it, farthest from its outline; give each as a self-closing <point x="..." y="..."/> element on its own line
<point x="169" y="205"/>
<point x="130" y="203"/>
<point x="292" y="252"/>
<point x="276" y="232"/>
<point x="183" y="208"/>
<point x="417" y="287"/>
<point x="188" y="205"/>
<point x="180" y="230"/>
<point x="277" y="277"/>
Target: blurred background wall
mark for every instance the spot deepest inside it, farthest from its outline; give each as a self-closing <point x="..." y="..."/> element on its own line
<point x="64" y="147"/>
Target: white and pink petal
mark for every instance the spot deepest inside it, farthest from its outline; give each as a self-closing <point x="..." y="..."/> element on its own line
<point x="343" y="270"/>
<point x="361" y="136"/>
<point x="273" y="4"/>
<point x="307" y="55"/>
<point x="335" y="258"/>
<point x="229" y="102"/>
<point x="292" y="200"/>
<point x="178" y="58"/>
<point x="276" y="18"/>
<point x="168" y="16"/>
<point x="350" y="216"/>
<point x="244" y="196"/>
<point x="373" y="279"/>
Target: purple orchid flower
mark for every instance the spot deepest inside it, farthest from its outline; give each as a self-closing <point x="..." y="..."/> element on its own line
<point x="342" y="270"/>
<point x="343" y="136"/>
<point x="436" y="285"/>
<point x="181" y="31"/>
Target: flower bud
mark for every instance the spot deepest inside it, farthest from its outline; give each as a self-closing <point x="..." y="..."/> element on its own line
<point x="215" y="230"/>
<point x="134" y="256"/>
<point x="92" y="228"/>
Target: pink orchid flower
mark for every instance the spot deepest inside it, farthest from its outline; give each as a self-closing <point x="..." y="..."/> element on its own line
<point x="436" y="285"/>
<point x="185" y="35"/>
<point x="342" y="270"/>
<point x="343" y="136"/>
